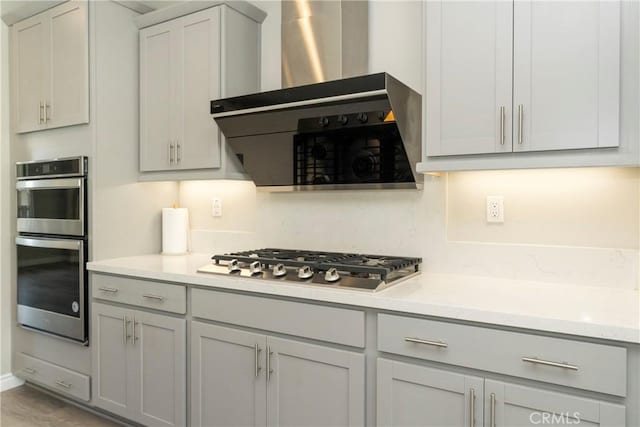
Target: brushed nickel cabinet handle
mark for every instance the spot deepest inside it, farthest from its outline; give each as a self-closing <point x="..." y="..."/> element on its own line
<point x="171" y="153"/>
<point x="63" y="384"/>
<point x="257" y="367"/>
<point x="177" y="152"/>
<point x="47" y="118"/>
<point x="472" y="408"/>
<point x="492" y="410"/>
<point x="502" y="125"/>
<point x="133" y="328"/>
<point x="269" y="370"/>
<point x="125" y="336"/>
<point x="520" y="114"/>
<point x="563" y="365"/>
<point x="153" y="297"/>
<point x="110" y="290"/>
<point x="41" y="113"/>
<point x="29" y="371"/>
<point x="426" y="342"/>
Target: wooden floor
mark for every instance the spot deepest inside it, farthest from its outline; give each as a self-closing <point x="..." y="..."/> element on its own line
<point x="27" y="407"/>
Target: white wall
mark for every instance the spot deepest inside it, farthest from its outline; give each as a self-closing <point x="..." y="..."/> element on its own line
<point x="556" y="229"/>
<point x="6" y="299"/>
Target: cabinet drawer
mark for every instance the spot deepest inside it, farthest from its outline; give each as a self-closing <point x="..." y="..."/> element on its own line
<point x="143" y="293"/>
<point x="331" y="324"/>
<point x="53" y="376"/>
<point x="587" y="366"/>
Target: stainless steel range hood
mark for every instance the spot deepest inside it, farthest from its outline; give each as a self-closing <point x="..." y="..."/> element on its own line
<point x="349" y="132"/>
<point x="264" y="131"/>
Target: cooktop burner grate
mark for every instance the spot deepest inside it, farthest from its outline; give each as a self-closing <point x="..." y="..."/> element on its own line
<point x="355" y="264"/>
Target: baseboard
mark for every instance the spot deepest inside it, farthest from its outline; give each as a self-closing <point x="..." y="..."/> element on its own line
<point x="9" y="381"/>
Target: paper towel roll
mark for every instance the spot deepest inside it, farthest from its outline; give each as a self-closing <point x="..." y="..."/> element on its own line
<point x="175" y="231"/>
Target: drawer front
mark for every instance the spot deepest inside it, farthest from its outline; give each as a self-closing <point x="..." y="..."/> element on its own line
<point x="56" y="377"/>
<point x="143" y="293"/>
<point x="331" y="324"/>
<point x="587" y="366"/>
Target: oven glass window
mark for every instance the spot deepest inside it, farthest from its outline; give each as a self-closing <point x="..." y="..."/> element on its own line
<point x="62" y="203"/>
<point x="49" y="279"/>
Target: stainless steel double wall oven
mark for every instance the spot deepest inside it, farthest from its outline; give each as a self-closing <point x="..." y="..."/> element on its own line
<point x="52" y="246"/>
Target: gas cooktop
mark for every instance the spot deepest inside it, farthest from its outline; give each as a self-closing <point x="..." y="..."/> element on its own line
<point x="331" y="269"/>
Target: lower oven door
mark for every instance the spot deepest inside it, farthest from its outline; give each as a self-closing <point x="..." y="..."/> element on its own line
<point x="52" y="286"/>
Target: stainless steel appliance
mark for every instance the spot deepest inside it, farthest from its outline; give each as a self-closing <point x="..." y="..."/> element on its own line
<point x="329" y="269"/>
<point x="51" y="247"/>
<point x="371" y="123"/>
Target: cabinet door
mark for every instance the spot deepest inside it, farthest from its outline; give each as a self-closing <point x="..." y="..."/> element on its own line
<point x="199" y="78"/>
<point x="523" y="406"/>
<point x="110" y="338"/>
<point x="311" y="385"/>
<point x="228" y="386"/>
<point x="159" y="53"/>
<point x="68" y="92"/>
<point x="412" y="395"/>
<point x="29" y="40"/>
<point x="468" y="77"/>
<point x="159" y="367"/>
<point x="566" y="75"/>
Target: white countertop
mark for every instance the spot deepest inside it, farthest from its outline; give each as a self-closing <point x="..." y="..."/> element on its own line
<point x="596" y="312"/>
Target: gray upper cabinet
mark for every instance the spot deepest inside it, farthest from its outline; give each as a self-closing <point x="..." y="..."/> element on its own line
<point x="241" y="378"/>
<point x="139" y="365"/>
<point x="227" y="377"/>
<point x="311" y="385"/>
<point x="509" y="405"/>
<point x="524" y="76"/>
<point x="469" y="75"/>
<point x="412" y="395"/>
<point x="184" y="64"/>
<point x="50" y="56"/>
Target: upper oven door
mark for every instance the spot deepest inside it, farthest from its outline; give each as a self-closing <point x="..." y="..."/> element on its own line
<point x="51" y="206"/>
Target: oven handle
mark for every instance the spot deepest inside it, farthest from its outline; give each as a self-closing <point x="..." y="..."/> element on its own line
<point x="50" y="243"/>
<point x="44" y="184"/>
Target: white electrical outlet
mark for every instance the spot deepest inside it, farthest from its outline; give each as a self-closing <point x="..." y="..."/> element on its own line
<point x="216" y="210"/>
<point x="495" y="209"/>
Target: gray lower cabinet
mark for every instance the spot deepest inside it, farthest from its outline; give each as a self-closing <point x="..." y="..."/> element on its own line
<point x="511" y="405"/>
<point x="139" y="365"/>
<point x="242" y="378"/>
<point x="413" y="395"/>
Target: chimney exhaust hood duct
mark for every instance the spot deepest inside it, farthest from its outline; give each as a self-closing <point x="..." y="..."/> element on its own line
<point x="354" y="131"/>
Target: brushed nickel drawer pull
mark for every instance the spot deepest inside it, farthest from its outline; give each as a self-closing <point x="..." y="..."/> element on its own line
<point x="537" y="361"/>
<point x="492" y="415"/>
<point x="426" y="342"/>
<point x="257" y="350"/>
<point x="63" y="384"/>
<point x="154" y="297"/>
<point x="29" y="371"/>
<point x="269" y="370"/>
<point x="110" y="290"/>
<point x="472" y="408"/>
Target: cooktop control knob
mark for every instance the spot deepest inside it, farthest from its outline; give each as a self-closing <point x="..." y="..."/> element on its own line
<point x="343" y="120"/>
<point x="332" y="275"/>
<point x="255" y="268"/>
<point x="324" y="122"/>
<point x="363" y="118"/>
<point x="305" y="272"/>
<point x="233" y="266"/>
<point x="279" y="270"/>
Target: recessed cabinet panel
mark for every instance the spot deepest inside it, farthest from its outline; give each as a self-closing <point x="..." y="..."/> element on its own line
<point x="469" y="74"/>
<point x="566" y="75"/>
<point x="199" y="141"/>
<point x="29" y="38"/>
<point x="157" y="87"/>
<point x="228" y="377"/>
<point x="69" y="97"/>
